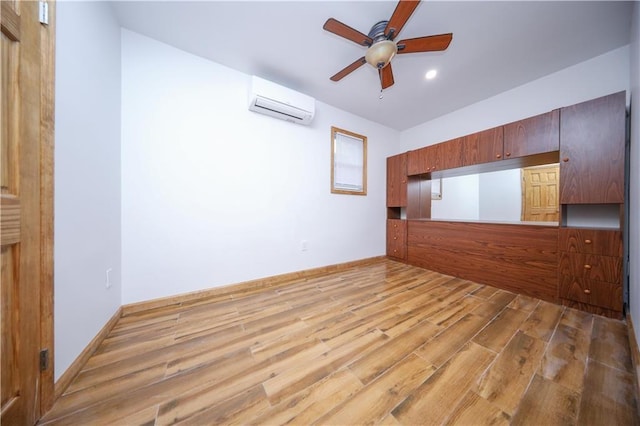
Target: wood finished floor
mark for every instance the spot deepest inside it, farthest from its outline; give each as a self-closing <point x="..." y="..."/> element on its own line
<point x="381" y="344"/>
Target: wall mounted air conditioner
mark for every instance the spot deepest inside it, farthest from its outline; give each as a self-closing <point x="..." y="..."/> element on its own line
<point x="277" y="101"/>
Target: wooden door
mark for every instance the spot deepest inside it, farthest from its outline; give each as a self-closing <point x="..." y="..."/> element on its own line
<point x="26" y="215"/>
<point x="540" y="194"/>
<point x="592" y="151"/>
<point x="534" y="135"/>
<point x="397" y="181"/>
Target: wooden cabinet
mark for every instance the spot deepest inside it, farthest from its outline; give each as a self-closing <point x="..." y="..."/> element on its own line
<point x="397" y="238"/>
<point x="591" y="241"/>
<point x="520" y="258"/>
<point x="422" y="160"/>
<point x="433" y="158"/>
<point x="483" y="147"/>
<point x="413" y="162"/>
<point x="534" y="135"/>
<point x="397" y="181"/>
<point x="449" y="154"/>
<point x="592" y="139"/>
<point x="581" y="267"/>
<point x="590" y="270"/>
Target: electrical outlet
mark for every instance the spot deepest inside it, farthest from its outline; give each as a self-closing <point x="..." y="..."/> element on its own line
<point x="108" y="283"/>
<point x="304" y="245"/>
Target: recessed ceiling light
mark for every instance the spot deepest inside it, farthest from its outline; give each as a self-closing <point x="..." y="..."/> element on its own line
<point x="431" y="74"/>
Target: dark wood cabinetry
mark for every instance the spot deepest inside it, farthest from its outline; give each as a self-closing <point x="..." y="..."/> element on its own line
<point x="520" y="258"/>
<point x="592" y="151"/>
<point x="449" y="154"/>
<point x="423" y="160"/>
<point x="397" y="239"/>
<point x="413" y="162"/>
<point x="534" y="135"/>
<point x="590" y="267"/>
<point x="578" y="267"/>
<point x="397" y="181"/>
<point x="434" y="158"/>
<point x="483" y="147"/>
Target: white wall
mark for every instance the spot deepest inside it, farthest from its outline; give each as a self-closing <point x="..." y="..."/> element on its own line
<point x="634" y="219"/>
<point x="494" y="196"/>
<point x="599" y="76"/>
<point x="500" y="195"/>
<point x="87" y="175"/>
<point x="459" y="199"/>
<point x="213" y="194"/>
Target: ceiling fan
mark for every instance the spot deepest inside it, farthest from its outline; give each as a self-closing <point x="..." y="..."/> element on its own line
<point x="381" y="45"/>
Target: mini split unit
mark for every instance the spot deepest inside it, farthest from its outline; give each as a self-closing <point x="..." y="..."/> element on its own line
<point x="280" y="102"/>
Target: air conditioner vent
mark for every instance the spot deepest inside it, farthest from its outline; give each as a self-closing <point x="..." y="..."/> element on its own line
<point x="280" y="102"/>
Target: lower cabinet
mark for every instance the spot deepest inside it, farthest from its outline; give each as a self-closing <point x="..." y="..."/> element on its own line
<point x="590" y="270"/>
<point x="518" y="258"/>
<point x="397" y="238"/>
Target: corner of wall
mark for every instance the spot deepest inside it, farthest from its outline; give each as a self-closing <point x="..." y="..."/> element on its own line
<point x="87" y="257"/>
<point x="634" y="178"/>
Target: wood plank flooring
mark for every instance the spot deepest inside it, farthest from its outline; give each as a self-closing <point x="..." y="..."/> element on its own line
<point x="385" y="343"/>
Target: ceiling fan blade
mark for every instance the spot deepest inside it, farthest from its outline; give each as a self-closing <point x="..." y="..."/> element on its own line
<point x="386" y="76"/>
<point x="343" y="30"/>
<point x="348" y="69"/>
<point x="400" y="16"/>
<point x="432" y="43"/>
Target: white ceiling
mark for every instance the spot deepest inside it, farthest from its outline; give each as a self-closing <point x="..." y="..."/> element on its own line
<point x="496" y="46"/>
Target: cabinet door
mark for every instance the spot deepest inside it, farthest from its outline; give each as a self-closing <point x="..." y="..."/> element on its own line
<point x="592" y="151"/>
<point x="483" y="147"/>
<point x="449" y="154"/>
<point x="430" y="158"/>
<point x="534" y="135"/>
<point x="397" y="181"/>
<point x="423" y="160"/>
<point x="415" y="164"/>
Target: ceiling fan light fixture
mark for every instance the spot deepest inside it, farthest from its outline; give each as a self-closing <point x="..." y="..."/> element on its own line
<point x="381" y="53"/>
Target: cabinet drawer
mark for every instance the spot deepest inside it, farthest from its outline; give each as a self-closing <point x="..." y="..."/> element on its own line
<point x="592" y="292"/>
<point x="397" y="251"/>
<point x="591" y="266"/>
<point x="397" y="238"/>
<point x="591" y="241"/>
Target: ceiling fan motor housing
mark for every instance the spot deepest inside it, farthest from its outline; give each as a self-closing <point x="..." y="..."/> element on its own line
<point x="377" y="31"/>
<point x="382" y="50"/>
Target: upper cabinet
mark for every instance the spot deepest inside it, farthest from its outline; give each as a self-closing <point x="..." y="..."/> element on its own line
<point x="433" y="158"/>
<point x="421" y="160"/>
<point x="450" y="154"/>
<point x="592" y="151"/>
<point x="397" y="181"/>
<point x="483" y="147"/>
<point x="534" y="135"/>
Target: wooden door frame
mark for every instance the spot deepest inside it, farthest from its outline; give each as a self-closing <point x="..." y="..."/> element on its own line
<point x="47" y="144"/>
<point x="44" y="391"/>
